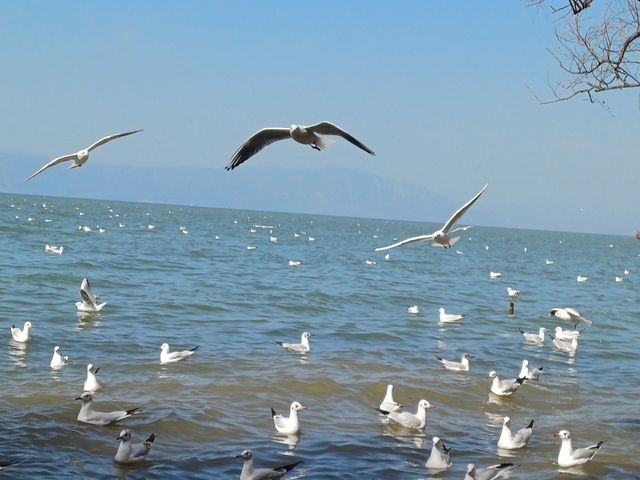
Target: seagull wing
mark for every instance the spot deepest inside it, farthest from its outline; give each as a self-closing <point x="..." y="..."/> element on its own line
<point x="587" y="452"/>
<point x="461" y="211"/>
<point x="85" y="292"/>
<point x="326" y="128"/>
<point x="255" y="143"/>
<point x="419" y="238"/>
<point x="55" y="161"/>
<point x="108" y="138"/>
<point x="406" y="419"/>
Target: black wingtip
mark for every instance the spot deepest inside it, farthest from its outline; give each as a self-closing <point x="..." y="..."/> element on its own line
<point x="600" y="444"/>
<point x="384" y="412"/>
<point x="279" y="343"/>
<point x="151" y="439"/>
<point x="291" y="466"/>
<point x="273" y="412"/>
<point x="541" y="368"/>
<point x="521" y="331"/>
<point x="438" y="358"/>
<point x="504" y="465"/>
<point x="195" y="348"/>
<point x="530" y="424"/>
<point x="521" y="380"/>
<point x="133" y="411"/>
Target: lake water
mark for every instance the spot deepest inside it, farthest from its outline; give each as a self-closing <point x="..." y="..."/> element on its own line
<point x="206" y="288"/>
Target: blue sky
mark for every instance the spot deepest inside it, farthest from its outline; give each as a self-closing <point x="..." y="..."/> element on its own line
<point x="437" y="89"/>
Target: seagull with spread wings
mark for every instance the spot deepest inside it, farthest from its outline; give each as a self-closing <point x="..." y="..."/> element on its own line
<point x="439" y="237"/>
<point x="306" y="135"/>
<point x="81" y="156"/>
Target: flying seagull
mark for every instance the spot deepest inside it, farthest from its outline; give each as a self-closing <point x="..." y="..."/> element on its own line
<point x="439" y="237"/>
<point x="308" y="135"/>
<point x="81" y="156"/>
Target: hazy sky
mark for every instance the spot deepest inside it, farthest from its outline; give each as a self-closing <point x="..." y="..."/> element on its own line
<point x="437" y="89"/>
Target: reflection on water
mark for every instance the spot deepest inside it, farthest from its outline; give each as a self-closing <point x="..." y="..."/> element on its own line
<point x="290" y="440"/>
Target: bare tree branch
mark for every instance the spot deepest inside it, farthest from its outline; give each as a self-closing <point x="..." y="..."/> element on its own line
<point x="598" y="50"/>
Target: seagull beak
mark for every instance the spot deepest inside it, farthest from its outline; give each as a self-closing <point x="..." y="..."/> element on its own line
<point x="120" y="438"/>
<point x="78" y="398"/>
<point x="557" y="434"/>
<point x="238" y="456"/>
<point x="303" y="407"/>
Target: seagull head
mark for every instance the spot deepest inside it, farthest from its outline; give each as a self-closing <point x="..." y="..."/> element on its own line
<point x="424" y="404"/>
<point x="471" y="469"/>
<point x="563" y="434"/>
<point x="55" y="349"/>
<point x="85" y="397"/>
<point x="525" y="363"/>
<point x="307" y="334"/>
<point x="125" y="435"/>
<point x="467" y="356"/>
<point x="435" y="440"/>
<point x="246" y="455"/>
<point x="492" y="374"/>
<point x="164" y="347"/>
<point x="27" y="324"/>
<point x="506" y="421"/>
<point x="297" y="406"/>
<point x="294" y="128"/>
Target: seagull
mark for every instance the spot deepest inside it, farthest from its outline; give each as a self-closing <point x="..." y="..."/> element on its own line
<point x="439" y="237"/>
<point x="413" y="309"/>
<point x="462" y="365"/>
<point x="568" y="314"/>
<point x="581" y="278"/>
<point x="566" y="346"/>
<point x="488" y="473"/>
<point x="57" y="360"/>
<point x="91" y="384"/>
<point x="448" y="317"/>
<point x="568" y="457"/>
<point x="306" y="135"/>
<point x="529" y="373"/>
<point x="534" y="338"/>
<point x="495" y="275"/>
<point x="88" y="415"/>
<point x="89" y="303"/>
<point x="618" y="279"/>
<point x="54" y="249"/>
<point x="251" y="473"/>
<point x="509" y="441"/>
<point x="504" y="387"/>
<point x="389" y="404"/>
<point x="302" y="347"/>
<point x="21" y="336"/>
<point x="129" y="452"/>
<point x="289" y="425"/>
<point x="170" y="357"/>
<point x="513" y="294"/>
<point x="440" y="457"/>
<point x="80" y="157"/>
<point x="409" y="420"/>
<point x="566" y="335"/>
<point x="549" y="262"/>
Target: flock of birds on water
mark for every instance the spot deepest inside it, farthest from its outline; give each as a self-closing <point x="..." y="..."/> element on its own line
<point x="130" y="452"/>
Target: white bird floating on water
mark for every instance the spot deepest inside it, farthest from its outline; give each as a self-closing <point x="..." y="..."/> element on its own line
<point x="569" y="314"/>
<point x="54" y="249"/>
<point x="87" y="414"/>
<point x="529" y="373"/>
<point x="80" y="157"/>
<point x="504" y="387"/>
<point x="582" y="278"/>
<point x="448" y="317"/>
<point x="306" y="135"/>
<point x="89" y="303"/>
<point x="413" y="309"/>
<point x="566" y="335"/>
<point x="91" y="384"/>
<point x="387" y="257"/>
<point x="129" y="452"/>
<point x="249" y="472"/>
<point x="439" y="237"/>
<point x="618" y="279"/>
<point x="510" y="441"/>
<point x="409" y="420"/>
<point x="294" y="263"/>
<point x="461" y="366"/>
<point x="21" y="335"/>
<point x="626" y="272"/>
<point x="534" y="338"/>
<point x="568" y="457"/>
<point x="370" y="262"/>
<point x="389" y="404"/>
<point x="273" y="239"/>
<point x="289" y="425"/>
<point x="566" y="346"/>
<point x="57" y="360"/>
<point x="495" y="275"/>
<point x="439" y="458"/>
<point x="549" y="262"/>
<point x="491" y="472"/>
<point x="170" y="357"/>
<point x="302" y="347"/>
<point x="251" y="247"/>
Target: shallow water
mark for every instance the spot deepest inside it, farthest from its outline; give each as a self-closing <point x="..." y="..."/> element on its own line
<point x="190" y="289"/>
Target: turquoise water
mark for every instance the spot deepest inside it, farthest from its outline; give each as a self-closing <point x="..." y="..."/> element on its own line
<point x="205" y="288"/>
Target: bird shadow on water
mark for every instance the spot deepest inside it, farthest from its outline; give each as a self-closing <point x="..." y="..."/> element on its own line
<point x="291" y="441"/>
<point x="18" y="353"/>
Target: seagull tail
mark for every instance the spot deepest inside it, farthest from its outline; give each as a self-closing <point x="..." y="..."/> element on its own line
<point x="323" y="143"/>
<point x="291" y="466"/>
<point x="279" y="343"/>
<point x="273" y="413"/>
<point x="384" y="412"/>
<point x="195" y="348"/>
<point x="530" y="424"/>
<point x="133" y="411"/>
<point x="149" y="441"/>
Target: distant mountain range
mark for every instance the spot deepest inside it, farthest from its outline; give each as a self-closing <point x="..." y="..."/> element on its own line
<point x="326" y="191"/>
